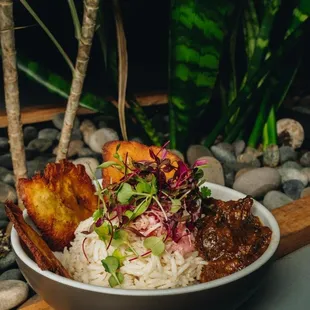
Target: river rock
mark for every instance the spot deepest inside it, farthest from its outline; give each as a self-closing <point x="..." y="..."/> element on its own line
<point x="6" y="161"/>
<point x="7" y="192"/>
<point x="35" y="165"/>
<point x="292" y="164"/>
<point x="30" y="133"/>
<point x="3" y="215"/>
<point x="4" y="144"/>
<point x="7" y="176"/>
<point x="275" y="199"/>
<point x="287" y="153"/>
<point x="239" y="147"/>
<point x="305" y="192"/>
<point x="86" y="152"/>
<point x="41" y="145"/>
<point x="100" y="137"/>
<point x="305" y="159"/>
<point x="12" y="293"/>
<point x="293" y="174"/>
<point x="253" y="151"/>
<point x="7" y="261"/>
<point x="229" y="176"/>
<point x="89" y="163"/>
<point x="226" y="146"/>
<point x="87" y="128"/>
<point x="223" y="155"/>
<point x="242" y="171"/>
<point x="196" y="151"/>
<point x="73" y="149"/>
<point x="306" y="171"/>
<point x="48" y="133"/>
<point x="257" y="182"/>
<point x="3" y="224"/>
<point x="58" y="120"/>
<point x="293" y="188"/>
<point x="294" y="130"/>
<point x="271" y="156"/>
<point x="214" y="172"/>
<point x="12" y="274"/>
<point x="250" y="159"/>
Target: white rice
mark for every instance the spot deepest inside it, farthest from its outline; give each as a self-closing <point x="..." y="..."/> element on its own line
<point x="168" y="271"/>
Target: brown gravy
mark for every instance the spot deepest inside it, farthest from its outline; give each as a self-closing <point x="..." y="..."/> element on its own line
<point x="229" y="237"/>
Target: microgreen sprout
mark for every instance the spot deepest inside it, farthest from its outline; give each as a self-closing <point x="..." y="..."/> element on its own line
<point x="145" y="192"/>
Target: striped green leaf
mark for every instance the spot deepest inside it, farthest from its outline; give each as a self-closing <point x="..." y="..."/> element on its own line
<point x="197" y="32"/>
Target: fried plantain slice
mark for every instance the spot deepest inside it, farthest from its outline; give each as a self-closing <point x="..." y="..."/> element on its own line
<point x="136" y="152"/>
<point x="42" y="254"/>
<point x="58" y="201"/>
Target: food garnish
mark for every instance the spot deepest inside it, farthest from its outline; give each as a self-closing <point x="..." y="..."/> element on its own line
<point x="42" y="254"/>
<point x="58" y="201"/>
<point x="161" y="190"/>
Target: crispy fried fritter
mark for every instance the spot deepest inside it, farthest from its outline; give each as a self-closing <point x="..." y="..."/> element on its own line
<point x="136" y="151"/>
<point x="42" y="254"/>
<point x="58" y="201"/>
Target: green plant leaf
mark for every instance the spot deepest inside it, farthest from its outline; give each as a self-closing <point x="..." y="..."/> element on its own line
<point x="175" y="205"/>
<point x="205" y="192"/>
<point x="97" y="214"/>
<point x="125" y="193"/>
<point x="110" y="264"/>
<point x="155" y="244"/>
<point x="141" y="208"/>
<point x="197" y="32"/>
<point x="116" y="279"/>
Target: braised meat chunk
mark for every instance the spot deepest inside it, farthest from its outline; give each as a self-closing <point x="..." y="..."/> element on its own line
<point x="229" y="237"/>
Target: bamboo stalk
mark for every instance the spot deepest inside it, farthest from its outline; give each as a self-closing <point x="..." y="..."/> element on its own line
<point x="85" y="43"/>
<point x="11" y="91"/>
<point x="122" y="67"/>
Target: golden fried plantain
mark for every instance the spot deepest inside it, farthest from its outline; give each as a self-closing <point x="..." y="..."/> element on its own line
<point x="42" y="254"/>
<point x="136" y="152"/>
<point x="58" y="201"/>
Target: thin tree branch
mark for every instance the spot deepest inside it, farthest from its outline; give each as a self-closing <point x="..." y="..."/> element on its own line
<point x="11" y="91"/>
<point x="85" y="43"/>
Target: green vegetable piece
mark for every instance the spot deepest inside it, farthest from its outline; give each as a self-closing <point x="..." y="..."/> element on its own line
<point x="119" y="237"/>
<point x="176" y="205"/>
<point x="141" y="208"/>
<point x="109" y="164"/>
<point x="110" y="264"/>
<point x="128" y="213"/>
<point x="97" y="214"/>
<point x="205" y="192"/>
<point x="118" y="254"/>
<point x="103" y="231"/>
<point x="125" y="193"/>
<point x="116" y="279"/>
<point x="155" y="244"/>
<point x="143" y="186"/>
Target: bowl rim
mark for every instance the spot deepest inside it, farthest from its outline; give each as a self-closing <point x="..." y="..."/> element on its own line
<point x="275" y="239"/>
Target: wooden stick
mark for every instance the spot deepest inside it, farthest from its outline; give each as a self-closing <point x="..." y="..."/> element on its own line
<point x="11" y="91"/>
<point x="85" y="43"/>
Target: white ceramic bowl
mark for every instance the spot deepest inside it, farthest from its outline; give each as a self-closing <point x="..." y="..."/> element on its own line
<point x="225" y="293"/>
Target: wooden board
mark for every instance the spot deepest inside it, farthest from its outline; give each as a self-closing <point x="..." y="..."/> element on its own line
<point x="294" y="222"/>
<point x="43" y="113"/>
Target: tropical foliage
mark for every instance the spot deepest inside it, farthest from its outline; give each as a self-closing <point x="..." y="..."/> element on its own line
<point x="231" y="64"/>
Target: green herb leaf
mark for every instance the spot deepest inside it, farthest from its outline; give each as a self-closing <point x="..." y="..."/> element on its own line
<point x="109" y="164"/>
<point x="119" y="237"/>
<point x="205" y="192"/>
<point x="116" y="279"/>
<point x="125" y="193"/>
<point x="97" y="214"/>
<point x="104" y="231"/>
<point x="118" y="254"/>
<point x="128" y="213"/>
<point x="141" y="208"/>
<point x="110" y="264"/>
<point x="155" y="244"/>
<point x="176" y="205"/>
<point x="143" y="186"/>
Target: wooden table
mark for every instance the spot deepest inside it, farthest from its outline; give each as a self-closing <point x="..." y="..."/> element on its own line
<point x="294" y="222"/>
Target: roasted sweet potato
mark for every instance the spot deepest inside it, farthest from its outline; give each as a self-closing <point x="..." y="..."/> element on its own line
<point x="58" y="201"/>
<point x="136" y="152"/>
<point x="42" y="254"/>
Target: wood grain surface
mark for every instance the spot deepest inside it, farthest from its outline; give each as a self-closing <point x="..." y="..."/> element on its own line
<point x="294" y="223"/>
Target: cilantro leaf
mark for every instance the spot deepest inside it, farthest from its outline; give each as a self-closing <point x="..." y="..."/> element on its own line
<point x="205" y="192"/>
